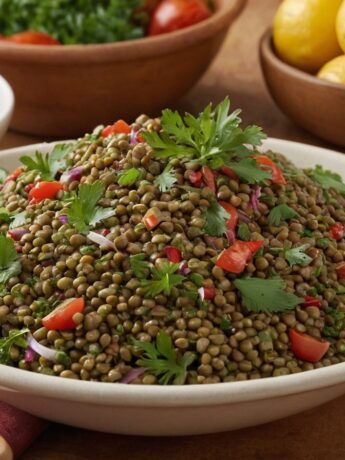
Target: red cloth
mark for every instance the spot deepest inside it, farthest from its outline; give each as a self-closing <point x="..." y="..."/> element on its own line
<point x="19" y="428"/>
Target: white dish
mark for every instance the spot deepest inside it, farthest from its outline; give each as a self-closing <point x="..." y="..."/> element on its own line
<point x="185" y="410"/>
<point x="6" y="105"/>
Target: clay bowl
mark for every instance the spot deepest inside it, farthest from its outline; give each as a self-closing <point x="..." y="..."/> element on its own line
<point x="316" y="105"/>
<point x="64" y="91"/>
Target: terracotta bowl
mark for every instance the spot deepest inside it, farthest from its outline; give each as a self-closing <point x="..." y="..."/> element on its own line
<point x="65" y="91"/>
<point x="316" y="105"/>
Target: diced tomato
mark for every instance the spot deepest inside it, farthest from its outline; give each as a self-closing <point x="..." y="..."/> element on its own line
<point x="120" y="127"/>
<point x="277" y="174"/>
<point x="14" y="174"/>
<point x="61" y="319"/>
<point x="337" y="231"/>
<point x="233" y="219"/>
<point x="341" y="271"/>
<point x="310" y="301"/>
<point x="31" y="38"/>
<point x="29" y="187"/>
<point x="151" y="219"/>
<point x="173" y="254"/>
<point x="235" y="258"/>
<point x="195" y="178"/>
<point x="172" y="15"/>
<point x="306" y="347"/>
<point x="229" y="172"/>
<point x="208" y="176"/>
<point x="45" y="190"/>
<point x="209" y="292"/>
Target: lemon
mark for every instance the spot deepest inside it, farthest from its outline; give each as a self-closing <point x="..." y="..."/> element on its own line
<point x="304" y="32"/>
<point x="341" y="26"/>
<point x="334" y="70"/>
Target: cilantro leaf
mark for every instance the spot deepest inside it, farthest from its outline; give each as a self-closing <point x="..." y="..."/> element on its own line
<point x="328" y="179"/>
<point x="83" y="211"/>
<point x="248" y="170"/>
<point x="139" y="265"/>
<point x="243" y="232"/>
<point x="49" y="164"/>
<point x="297" y="256"/>
<point x="215" y="217"/>
<point x="164" y="279"/>
<point x="266" y="295"/>
<point x="162" y="360"/>
<point x="3" y="175"/>
<point x="15" y="337"/>
<point x="166" y="179"/>
<point x="128" y="176"/>
<point x="280" y="213"/>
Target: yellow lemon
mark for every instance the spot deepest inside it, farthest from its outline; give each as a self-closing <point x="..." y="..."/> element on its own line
<point x="334" y="70"/>
<point x="304" y="32"/>
<point x="341" y="26"/>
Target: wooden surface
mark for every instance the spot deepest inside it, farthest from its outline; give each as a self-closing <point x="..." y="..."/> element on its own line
<point x="314" y="435"/>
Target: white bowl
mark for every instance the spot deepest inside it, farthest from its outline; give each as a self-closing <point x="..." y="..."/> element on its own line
<point x="6" y="105"/>
<point x="171" y="410"/>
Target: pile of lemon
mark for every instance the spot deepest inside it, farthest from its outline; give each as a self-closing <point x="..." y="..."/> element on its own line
<point x="310" y="35"/>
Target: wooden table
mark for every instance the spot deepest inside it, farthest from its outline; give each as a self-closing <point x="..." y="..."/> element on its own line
<point x="313" y="435"/>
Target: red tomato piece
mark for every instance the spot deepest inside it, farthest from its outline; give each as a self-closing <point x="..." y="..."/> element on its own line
<point x="277" y="174"/>
<point x="173" y="15"/>
<point x="233" y="219"/>
<point x="341" y="271"/>
<point x="306" y="347"/>
<point x="208" y="176"/>
<point x="173" y="254"/>
<point x="31" y="38"/>
<point x="337" y="231"/>
<point x="14" y="174"/>
<point x="151" y="219"/>
<point x="195" y="178"/>
<point x="235" y="258"/>
<point x="209" y="292"/>
<point x="45" y="190"/>
<point x="119" y="127"/>
<point x="310" y="301"/>
<point x="229" y="172"/>
<point x="61" y="319"/>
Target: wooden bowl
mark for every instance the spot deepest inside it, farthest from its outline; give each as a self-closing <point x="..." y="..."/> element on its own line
<point x="316" y="105"/>
<point x="65" y="91"/>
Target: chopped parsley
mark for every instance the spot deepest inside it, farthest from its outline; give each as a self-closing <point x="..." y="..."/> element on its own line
<point x="49" y="164"/>
<point x="129" y="176"/>
<point x="243" y="232"/>
<point x="166" y="179"/>
<point x="248" y="171"/>
<point x="15" y="337"/>
<point x="281" y="213"/>
<point x="9" y="263"/>
<point x="297" y="256"/>
<point x="162" y="360"/>
<point x="266" y="295"/>
<point x="3" y="175"/>
<point x="215" y="218"/>
<point x="164" y="278"/>
<point x="328" y="179"/>
<point x="139" y="265"/>
<point x="225" y="323"/>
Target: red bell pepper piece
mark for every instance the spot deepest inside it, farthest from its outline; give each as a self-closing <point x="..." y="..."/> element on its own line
<point x="31" y="38"/>
<point x="277" y="174"/>
<point x="195" y="178"/>
<point x="235" y="258"/>
<point x="229" y="172"/>
<point x="208" y="176"/>
<point x="151" y="219"/>
<point x="233" y="219"/>
<point x="337" y="231"/>
<point x="341" y="270"/>
<point x="310" y="301"/>
<point x="119" y="127"/>
<point x="173" y="254"/>
<point x="209" y="292"/>
<point x="45" y="190"/>
<point x="61" y="319"/>
<point x="306" y="347"/>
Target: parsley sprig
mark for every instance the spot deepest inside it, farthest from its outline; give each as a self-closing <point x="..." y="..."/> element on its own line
<point x="48" y="165"/>
<point x="266" y="295"/>
<point x="15" y="337"/>
<point x="139" y="265"/>
<point x="166" y="179"/>
<point x="162" y="360"/>
<point x="164" y="278"/>
<point x="214" y="138"/>
<point x="83" y="212"/>
<point x="215" y="219"/>
<point x="297" y="256"/>
<point x="9" y="263"/>
<point x="328" y="179"/>
<point x="128" y="176"/>
<point x="281" y="213"/>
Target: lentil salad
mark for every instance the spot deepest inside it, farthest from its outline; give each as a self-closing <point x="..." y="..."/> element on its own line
<point x="169" y="251"/>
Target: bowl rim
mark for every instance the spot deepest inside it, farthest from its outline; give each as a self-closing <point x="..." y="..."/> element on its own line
<point x="224" y="15"/>
<point x="6" y="100"/>
<point x="32" y="384"/>
<point x="267" y="53"/>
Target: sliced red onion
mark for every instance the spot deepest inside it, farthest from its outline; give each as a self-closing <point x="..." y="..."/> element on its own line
<point x="132" y="375"/>
<point x="47" y="262"/>
<point x="133" y="138"/>
<point x="29" y="355"/>
<point x="184" y="269"/>
<point x="243" y="217"/>
<point x="201" y="292"/>
<point x="72" y="175"/>
<point x="63" y="219"/>
<point x="17" y="233"/>
<point x="100" y="240"/>
<point x="254" y="198"/>
<point x="47" y="353"/>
